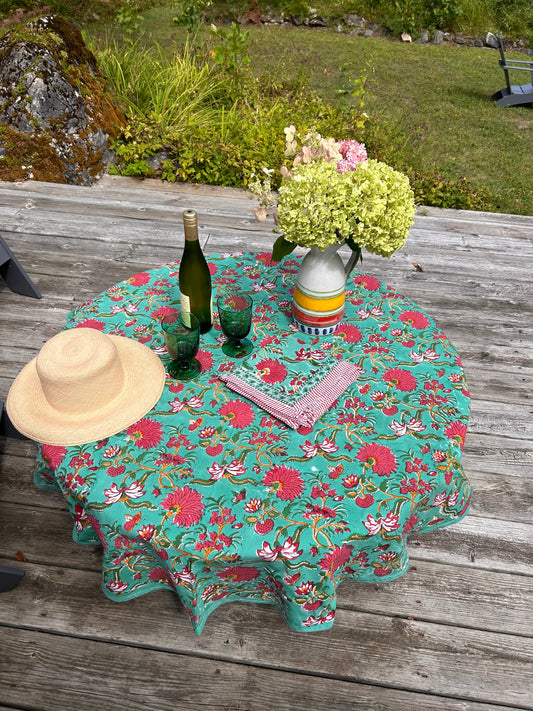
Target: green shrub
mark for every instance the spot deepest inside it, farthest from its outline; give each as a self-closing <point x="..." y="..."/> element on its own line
<point x="415" y="15"/>
<point x="438" y="191"/>
<point x="190" y="13"/>
<point x="514" y="17"/>
<point x="182" y="107"/>
<point x="209" y="134"/>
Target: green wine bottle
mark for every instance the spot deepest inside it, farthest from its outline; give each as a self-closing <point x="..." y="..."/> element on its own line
<point x="194" y="276"/>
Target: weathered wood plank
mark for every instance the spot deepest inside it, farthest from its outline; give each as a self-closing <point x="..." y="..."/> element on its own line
<point x="510" y="385"/>
<point x="513" y="421"/>
<point x="115" y="188"/>
<point x="466" y="215"/>
<point x="123" y="234"/>
<point x="19" y="448"/>
<point x="427" y="657"/>
<point x="126" y="186"/>
<point x="56" y="673"/>
<point x="61" y="674"/>
<point x="501" y="496"/>
<point x="477" y="225"/>
<point x="473" y="541"/>
<point x="439" y="261"/>
<point x="451" y="595"/>
<point x="399" y="266"/>
<point x="237" y="213"/>
<point x="493" y="453"/>
<point x="495" y="354"/>
<point x="17" y="485"/>
<point x="43" y="535"/>
<point x="423" y="225"/>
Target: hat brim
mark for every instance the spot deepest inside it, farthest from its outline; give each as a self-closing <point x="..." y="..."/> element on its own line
<point x="31" y="414"/>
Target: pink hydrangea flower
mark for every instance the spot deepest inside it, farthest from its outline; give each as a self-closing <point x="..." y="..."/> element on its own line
<point x="352" y="153"/>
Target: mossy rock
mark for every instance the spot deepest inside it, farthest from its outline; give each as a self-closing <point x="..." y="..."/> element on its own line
<point x="54" y="105"/>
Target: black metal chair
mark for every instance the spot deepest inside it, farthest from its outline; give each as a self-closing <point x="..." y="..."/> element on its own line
<point x="9" y="577"/>
<point x="19" y="282"/>
<point x="7" y="429"/>
<point x="14" y="275"/>
<point x="514" y="94"/>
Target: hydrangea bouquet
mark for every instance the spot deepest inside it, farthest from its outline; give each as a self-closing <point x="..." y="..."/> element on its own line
<point x="333" y="193"/>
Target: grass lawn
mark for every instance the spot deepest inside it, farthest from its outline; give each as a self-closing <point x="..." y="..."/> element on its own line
<point x="430" y="106"/>
<point x="435" y="101"/>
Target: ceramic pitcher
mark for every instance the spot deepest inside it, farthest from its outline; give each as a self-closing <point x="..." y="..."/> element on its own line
<point x="318" y="300"/>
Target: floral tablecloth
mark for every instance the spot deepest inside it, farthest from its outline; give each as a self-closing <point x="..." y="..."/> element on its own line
<point x="210" y="496"/>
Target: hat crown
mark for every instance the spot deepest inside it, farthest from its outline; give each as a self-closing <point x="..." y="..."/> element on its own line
<point x="80" y="371"/>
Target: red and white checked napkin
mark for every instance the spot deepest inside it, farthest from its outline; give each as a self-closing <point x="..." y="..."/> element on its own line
<point x="306" y="410"/>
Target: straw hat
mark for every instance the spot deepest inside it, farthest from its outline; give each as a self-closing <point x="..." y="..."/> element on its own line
<point x="84" y="386"/>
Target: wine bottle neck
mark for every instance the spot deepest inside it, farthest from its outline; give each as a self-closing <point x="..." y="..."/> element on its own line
<point x="192" y="245"/>
<point x="190" y="226"/>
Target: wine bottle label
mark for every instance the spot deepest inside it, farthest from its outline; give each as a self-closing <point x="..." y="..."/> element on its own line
<point x="185" y="303"/>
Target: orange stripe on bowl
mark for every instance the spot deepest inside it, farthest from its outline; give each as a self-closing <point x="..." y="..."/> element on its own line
<point x="308" y="302"/>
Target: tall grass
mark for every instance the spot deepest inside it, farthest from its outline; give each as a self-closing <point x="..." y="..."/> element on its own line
<point x="430" y="111"/>
<point x="211" y="127"/>
<point x="172" y="96"/>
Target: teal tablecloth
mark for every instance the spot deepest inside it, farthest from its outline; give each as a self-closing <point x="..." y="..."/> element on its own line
<point x="211" y="497"/>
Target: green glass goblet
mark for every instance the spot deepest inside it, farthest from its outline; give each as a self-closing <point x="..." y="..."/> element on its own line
<point x="182" y="343"/>
<point x="235" y="314"/>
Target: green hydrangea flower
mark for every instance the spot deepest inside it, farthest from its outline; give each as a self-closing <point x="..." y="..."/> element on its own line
<point x="372" y="206"/>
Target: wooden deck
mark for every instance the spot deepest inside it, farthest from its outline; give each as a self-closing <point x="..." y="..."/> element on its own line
<point x="454" y="634"/>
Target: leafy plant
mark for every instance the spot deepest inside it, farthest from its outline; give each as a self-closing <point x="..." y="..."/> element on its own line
<point x="353" y="93"/>
<point x="442" y="13"/>
<point x="400" y="15"/>
<point x="414" y="15"/>
<point x="130" y="18"/>
<point x="190" y="13"/>
<point x="231" y="53"/>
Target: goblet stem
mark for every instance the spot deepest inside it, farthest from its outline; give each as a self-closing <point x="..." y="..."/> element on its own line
<point x="237" y="348"/>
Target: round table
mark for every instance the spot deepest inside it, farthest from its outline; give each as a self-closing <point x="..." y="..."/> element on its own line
<point x="210" y="496"/>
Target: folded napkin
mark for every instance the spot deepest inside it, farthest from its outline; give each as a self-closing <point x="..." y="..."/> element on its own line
<point x="295" y="390"/>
